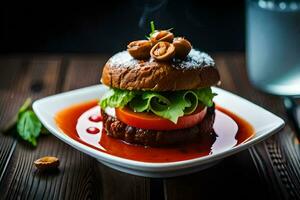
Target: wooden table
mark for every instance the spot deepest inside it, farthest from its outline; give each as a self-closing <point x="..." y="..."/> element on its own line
<point x="270" y="170"/>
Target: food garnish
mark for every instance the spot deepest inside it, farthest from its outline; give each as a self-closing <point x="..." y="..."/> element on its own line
<point x="152" y="26"/>
<point x="139" y="49"/>
<point x="161" y="36"/>
<point x="163" y="51"/>
<point x="160" y="45"/>
<point x="182" y="47"/>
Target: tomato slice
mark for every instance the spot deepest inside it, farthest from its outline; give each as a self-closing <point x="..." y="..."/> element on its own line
<point x="151" y="121"/>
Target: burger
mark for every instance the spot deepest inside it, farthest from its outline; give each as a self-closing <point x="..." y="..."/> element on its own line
<point x="159" y="92"/>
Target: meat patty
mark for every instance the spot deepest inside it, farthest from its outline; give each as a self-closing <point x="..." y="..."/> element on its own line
<point x="117" y="129"/>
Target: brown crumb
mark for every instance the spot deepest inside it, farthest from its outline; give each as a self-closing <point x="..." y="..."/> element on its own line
<point x="47" y="163"/>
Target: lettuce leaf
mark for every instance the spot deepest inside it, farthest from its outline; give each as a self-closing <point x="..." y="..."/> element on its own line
<point x="116" y="98"/>
<point x="175" y="109"/>
<point x="149" y="100"/>
<point x="205" y="95"/>
<point x="169" y="105"/>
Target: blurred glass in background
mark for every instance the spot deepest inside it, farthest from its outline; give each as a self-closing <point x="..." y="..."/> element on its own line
<point x="273" y="45"/>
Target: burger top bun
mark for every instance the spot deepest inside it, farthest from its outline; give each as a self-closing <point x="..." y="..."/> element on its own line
<point x="196" y="71"/>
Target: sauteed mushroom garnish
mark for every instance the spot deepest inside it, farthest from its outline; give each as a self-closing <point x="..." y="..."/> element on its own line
<point x="139" y="49"/>
<point x="161" y="45"/>
<point x="163" y="51"/>
<point x="162" y="36"/>
<point x="182" y="47"/>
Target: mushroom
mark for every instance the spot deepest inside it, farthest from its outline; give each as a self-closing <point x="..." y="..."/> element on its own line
<point x="139" y="49"/>
<point x="163" y="35"/>
<point x="182" y="47"/>
<point x="163" y="51"/>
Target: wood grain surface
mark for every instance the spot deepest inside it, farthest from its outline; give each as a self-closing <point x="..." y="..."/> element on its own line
<point x="269" y="170"/>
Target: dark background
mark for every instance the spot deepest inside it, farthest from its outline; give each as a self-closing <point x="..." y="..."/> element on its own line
<point x="106" y="28"/>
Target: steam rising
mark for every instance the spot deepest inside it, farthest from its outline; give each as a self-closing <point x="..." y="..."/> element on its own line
<point x="149" y="9"/>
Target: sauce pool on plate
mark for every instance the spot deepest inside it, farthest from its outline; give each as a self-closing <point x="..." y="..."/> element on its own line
<point x="83" y="123"/>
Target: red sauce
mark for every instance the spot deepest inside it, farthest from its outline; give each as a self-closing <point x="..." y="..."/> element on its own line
<point x="68" y="119"/>
<point x="95" y="118"/>
<point x="92" y="130"/>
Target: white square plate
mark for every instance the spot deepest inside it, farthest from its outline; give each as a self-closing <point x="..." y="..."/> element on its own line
<point x="263" y="122"/>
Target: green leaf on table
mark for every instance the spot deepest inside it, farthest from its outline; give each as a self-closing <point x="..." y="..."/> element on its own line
<point x="26" y="123"/>
<point x="29" y="126"/>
